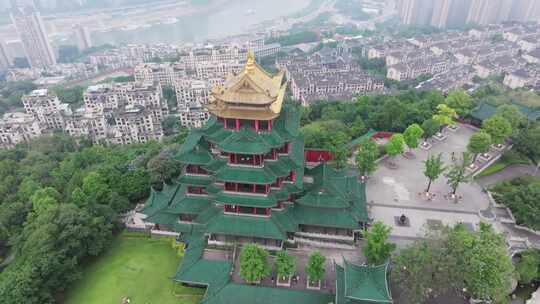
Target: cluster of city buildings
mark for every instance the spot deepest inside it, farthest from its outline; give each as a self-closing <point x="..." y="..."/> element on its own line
<point x="120" y="113"/>
<point x="328" y="74"/>
<point x="454" y="59"/>
<point x="458" y="13"/>
<point x="196" y="71"/>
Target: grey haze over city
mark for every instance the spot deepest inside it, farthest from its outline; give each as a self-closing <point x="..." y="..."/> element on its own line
<point x="270" y="151"/>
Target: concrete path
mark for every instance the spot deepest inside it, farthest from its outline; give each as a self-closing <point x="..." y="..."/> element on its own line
<point x="508" y="173"/>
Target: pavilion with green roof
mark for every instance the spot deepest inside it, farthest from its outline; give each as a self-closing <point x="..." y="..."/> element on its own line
<point x="359" y="284"/>
<point x="244" y="180"/>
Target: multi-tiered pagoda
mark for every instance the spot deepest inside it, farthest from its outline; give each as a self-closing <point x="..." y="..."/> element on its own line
<point x="244" y="180"/>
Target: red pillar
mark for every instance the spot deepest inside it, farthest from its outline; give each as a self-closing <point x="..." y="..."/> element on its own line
<point x="256" y="125"/>
<point x="270" y="125"/>
<point x="254" y="210"/>
<point x="237" y="124"/>
<point x="225" y="123"/>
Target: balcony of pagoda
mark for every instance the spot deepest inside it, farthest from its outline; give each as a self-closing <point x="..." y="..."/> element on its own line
<point x="326" y="233"/>
<point x="221" y="239"/>
<point x="186" y="218"/>
<point x="250" y="189"/>
<point x="196" y="191"/>
<point x="236" y="124"/>
<point x="195" y="170"/>
<point x="249" y="160"/>
<point x="244" y="210"/>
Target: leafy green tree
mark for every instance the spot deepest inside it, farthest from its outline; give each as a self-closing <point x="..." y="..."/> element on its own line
<point x="527" y="143"/>
<point x="366" y="157"/>
<point x="170" y="96"/>
<point x="170" y="125"/>
<point x="377" y="248"/>
<point x="315" y="267"/>
<point x="253" y="263"/>
<point x="445" y="115"/>
<point x="395" y="145"/>
<point x="460" y="101"/>
<point x="340" y="152"/>
<point x="522" y="197"/>
<point x="412" y="134"/>
<point x="513" y="115"/>
<point x="483" y="260"/>
<point x="430" y="127"/>
<point x="425" y="269"/>
<point x="285" y="264"/>
<point x="70" y="95"/>
<point x="457" y="174"/>
<point x="528" y="266"/>
<point x="163" y="167"/>
<point x="44" y="198"/>
<point x="433" y="168"/>
<point x="498" y="127"/>
<point x="479" y="143"/>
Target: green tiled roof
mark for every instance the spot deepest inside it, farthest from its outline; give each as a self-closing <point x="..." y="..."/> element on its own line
<point x="159" y="200"/>
<point x="248" y="226"/>
<point x="360" y="284"/>
<point x="248" y="200"/>
<point x="195" y="180"/>
<point x="361" y="139"/>
<point x="336" y="218"/>
<point x="233" y="293"/>
<point x="246" y="175"/>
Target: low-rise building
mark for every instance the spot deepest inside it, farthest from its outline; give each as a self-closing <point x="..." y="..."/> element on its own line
<point x="16" y="128"/>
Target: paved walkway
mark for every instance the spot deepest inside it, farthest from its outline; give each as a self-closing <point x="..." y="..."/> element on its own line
<point x="508" y="173"/>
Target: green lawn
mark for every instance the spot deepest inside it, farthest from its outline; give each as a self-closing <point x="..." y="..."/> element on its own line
<point x="139" y="268"/>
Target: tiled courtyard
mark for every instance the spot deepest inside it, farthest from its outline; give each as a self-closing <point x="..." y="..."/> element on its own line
<point x="395" y="192"/>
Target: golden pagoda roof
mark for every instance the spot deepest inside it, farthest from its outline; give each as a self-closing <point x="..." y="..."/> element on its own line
<point x="250" y="94"/>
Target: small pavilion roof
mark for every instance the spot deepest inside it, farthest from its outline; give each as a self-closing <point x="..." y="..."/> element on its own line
<point x="362" y="284"/>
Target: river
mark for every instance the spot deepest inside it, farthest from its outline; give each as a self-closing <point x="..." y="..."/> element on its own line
<point x="236" y="17"/>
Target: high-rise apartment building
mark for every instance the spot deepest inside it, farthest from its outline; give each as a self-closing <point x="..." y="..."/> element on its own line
<point x="5" y="62"/>
<point x="82" y="35"/>
<point x="457" y="13"/>
<point x="31" y="30"/>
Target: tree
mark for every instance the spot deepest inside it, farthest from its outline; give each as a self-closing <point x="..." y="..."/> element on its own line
<point x="433" y="168"/>
<point x="430" y="127"/>
<point x="366" y="157"/>
<point x="445" y="115"/>
<point x="479" y="143"/>
<point x="163" y="167"/>
<point x="377" y="249"/>
<point x="528" y="266"/>
<point x="460" y="101"/>
<point x="340" y="152"/>
<point x="483" y="260"/>
<point x="425" y="270"/>
<point x="170" y="96"/>
<point x="521" y="196"/>
<point x="455" y="259"/>
<point x="170" y="125"/>
<point x="315" y="267"/>
<point x="395" y="145"/>
<point x="513" y="115"/>
<point x="285" y="265"/>
<point x="253" y="263"/>
<point x="527" y="143"/>
<point x="457" y="174"/>
<point x="498" y="127"/>
<point x="412" y="134"/>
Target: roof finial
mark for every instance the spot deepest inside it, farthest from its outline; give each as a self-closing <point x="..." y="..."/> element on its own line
<point x="250" y="65"/>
